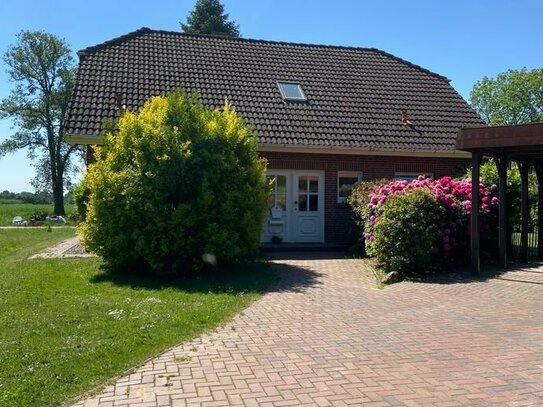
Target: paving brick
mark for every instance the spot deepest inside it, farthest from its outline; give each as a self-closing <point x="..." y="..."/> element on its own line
<point x="325" y="336"/>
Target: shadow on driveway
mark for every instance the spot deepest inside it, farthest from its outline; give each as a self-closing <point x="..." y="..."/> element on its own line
<point x="529" y="273"/>
<point x="256" y="277"/>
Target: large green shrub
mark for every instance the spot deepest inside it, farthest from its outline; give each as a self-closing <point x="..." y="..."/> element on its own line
<point x="80" y="196"/>
<point x="407" y="231"/>
<point x="179" y="183"/>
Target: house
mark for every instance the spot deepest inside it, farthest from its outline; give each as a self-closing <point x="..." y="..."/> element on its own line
<point x="327" y="116"/>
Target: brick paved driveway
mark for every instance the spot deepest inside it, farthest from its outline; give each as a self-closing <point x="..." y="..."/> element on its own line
<point x="325" y="337"/>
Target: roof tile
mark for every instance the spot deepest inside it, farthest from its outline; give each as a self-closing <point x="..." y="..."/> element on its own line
<point x="355" y="95"/>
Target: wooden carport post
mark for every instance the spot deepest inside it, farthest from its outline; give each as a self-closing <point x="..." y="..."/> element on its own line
<point x="501" y="165"/>
<point x="475" y="238"/>
<point x="524" y="210"/>
<point x="539" y="172"/>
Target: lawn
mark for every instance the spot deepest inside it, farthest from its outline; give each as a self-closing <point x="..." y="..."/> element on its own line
<point x="68" y="326"/>
<point x="9" y="210"/>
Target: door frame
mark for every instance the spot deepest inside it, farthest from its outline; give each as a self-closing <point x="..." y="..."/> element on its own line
<point x="321" y="207"/>
<point x="292" y="192"/>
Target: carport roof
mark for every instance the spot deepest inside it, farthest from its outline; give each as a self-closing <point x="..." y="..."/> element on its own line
<point x="523" y="142"/>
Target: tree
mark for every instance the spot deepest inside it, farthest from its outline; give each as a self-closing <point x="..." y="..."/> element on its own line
<point x="42" y="68"/>
<point x="208" y="17"/>
<point x="513" y="97"/>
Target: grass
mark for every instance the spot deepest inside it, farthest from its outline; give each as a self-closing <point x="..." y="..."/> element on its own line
<point x="68" y="326"/>
<point x="378" y="276"/>
<point x="9" y="210"/>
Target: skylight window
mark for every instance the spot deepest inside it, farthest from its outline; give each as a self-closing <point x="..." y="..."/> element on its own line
<point x="291" y="92"/>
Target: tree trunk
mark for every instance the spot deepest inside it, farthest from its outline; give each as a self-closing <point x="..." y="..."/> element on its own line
<point x="58" y="196"/>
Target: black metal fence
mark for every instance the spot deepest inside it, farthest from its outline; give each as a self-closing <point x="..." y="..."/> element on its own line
<point x="532" y="243"/>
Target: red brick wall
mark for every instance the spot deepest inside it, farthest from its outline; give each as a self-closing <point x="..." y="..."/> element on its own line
<point x="89" y="159"/>
<point x="372" y="167"/>
<point x="336" y="215"/>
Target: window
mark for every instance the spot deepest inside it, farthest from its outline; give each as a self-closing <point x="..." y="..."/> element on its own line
<point x="291" y="92"/>
<point x="278" y="196"/>
<point x="410" y="176"/>
<point x="346" y="180"/>
<point x="308" y="193"/>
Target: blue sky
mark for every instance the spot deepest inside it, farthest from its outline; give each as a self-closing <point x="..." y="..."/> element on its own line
<point x="462" y="40"/>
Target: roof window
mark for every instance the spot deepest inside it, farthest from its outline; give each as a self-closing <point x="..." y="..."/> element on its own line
<point x="291" y="91"/>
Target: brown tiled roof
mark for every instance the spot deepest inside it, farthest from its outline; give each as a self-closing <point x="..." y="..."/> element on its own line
<point x="355" y="95"/>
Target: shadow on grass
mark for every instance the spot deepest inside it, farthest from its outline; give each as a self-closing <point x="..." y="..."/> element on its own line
<point x="259" y="276"/>
<point x="464" y="275"/>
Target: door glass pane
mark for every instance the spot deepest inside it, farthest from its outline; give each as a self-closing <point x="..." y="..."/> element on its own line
<point x="302" y="184"/>
<point x="313" y="202"/>
<point x="271" y="201"/>
<point x="313" y="184"/>
<point x="282" y="201"/>
<point x="281" y="184"/>
<point x="302" y="202"/>
<point x="271" y="181"/>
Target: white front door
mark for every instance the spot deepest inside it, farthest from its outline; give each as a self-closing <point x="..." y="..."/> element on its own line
<point x="296" y="207"/>
<point x="308" y="208"/>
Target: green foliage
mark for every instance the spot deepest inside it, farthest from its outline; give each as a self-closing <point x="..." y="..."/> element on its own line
<point x="358" y="201"/>
<point x="176" y="183"/>
<point x="513" y="97"/>
<point x="407" y="231"/>
<point x="42" y="68"/>
<point x="68" y="327"/>
<point x="26" y="197"/>
<point x="489" y="176"/>
<point x="38" y="216"/>
<point x="81" y="195"/>
<point x="9" y="210"/>
<point x="208" y="17"/>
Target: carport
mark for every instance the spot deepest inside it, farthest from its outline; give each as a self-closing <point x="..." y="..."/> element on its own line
<point x="522" y="144"/>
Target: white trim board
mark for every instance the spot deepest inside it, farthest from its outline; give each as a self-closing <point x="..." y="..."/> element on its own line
<point x="97" y="140"/>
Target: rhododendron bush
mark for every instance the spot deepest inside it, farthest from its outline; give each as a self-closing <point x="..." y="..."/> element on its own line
<point x="453" y="223"/>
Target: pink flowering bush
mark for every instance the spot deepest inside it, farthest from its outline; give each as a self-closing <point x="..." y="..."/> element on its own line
<point x="453" y="196"/>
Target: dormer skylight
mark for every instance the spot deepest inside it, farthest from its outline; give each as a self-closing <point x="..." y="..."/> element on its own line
<point x="291" y="91"/>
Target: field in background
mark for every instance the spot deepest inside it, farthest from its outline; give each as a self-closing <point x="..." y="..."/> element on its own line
<point x="9" y="210"/>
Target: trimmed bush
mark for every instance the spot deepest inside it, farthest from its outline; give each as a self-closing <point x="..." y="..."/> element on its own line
<point x="406" y="232"/>
<point x="178" y="186"/>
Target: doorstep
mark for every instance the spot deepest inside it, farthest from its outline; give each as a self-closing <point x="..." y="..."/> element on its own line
<point x="301" y="247"/>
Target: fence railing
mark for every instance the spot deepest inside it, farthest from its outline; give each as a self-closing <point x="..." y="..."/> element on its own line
<point x="532" y="243"/>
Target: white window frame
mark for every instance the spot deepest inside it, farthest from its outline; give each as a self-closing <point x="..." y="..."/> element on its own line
<point x="275" y="191"/>
<point x="398" y="175"/>
<point x="303" y="98"/>
<point x="346" y="174"/>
